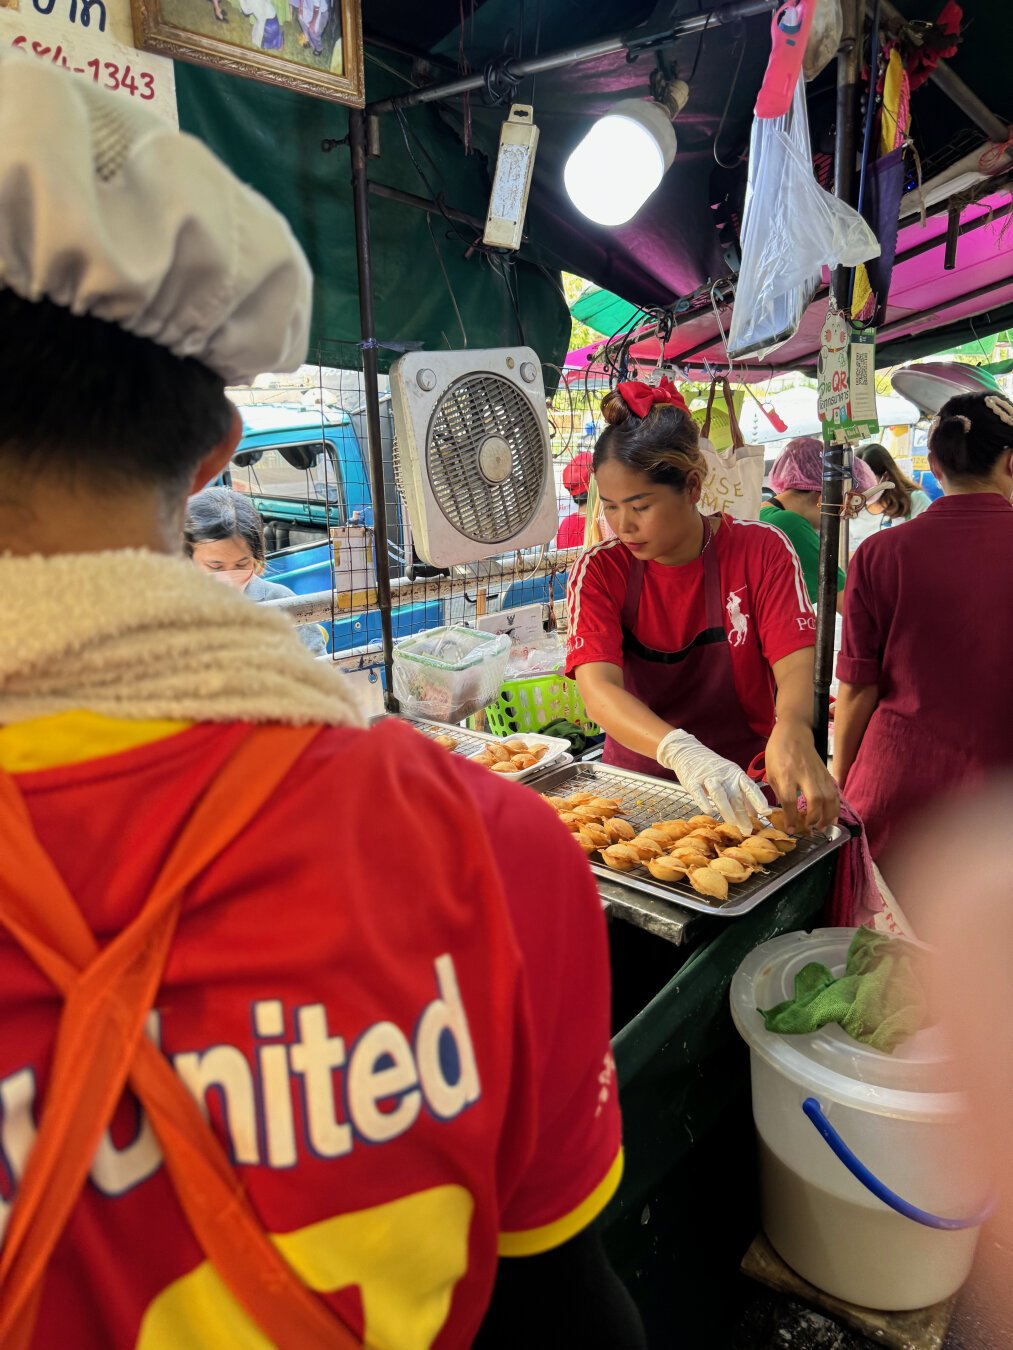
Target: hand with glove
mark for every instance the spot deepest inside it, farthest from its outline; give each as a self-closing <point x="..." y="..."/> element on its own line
<point x="713" y="782"/>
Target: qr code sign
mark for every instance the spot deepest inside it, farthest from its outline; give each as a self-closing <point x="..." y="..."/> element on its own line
<point x="862" y="372"/>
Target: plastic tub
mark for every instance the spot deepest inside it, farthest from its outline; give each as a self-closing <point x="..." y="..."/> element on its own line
<point x="447" y="674"/>
<point x="894" y="1113"/>
<point x="535" y="701"/>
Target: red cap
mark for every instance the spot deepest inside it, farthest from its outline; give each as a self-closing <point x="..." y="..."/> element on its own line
<point x="577" y="474"/>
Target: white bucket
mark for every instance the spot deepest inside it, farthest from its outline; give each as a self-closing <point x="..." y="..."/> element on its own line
<point x="891" y="1110"/>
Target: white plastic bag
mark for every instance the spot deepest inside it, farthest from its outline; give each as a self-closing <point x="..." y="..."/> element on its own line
<point x="791" y="230"/>
<point x="734" y="482"/>
<point x="824" y="37"/>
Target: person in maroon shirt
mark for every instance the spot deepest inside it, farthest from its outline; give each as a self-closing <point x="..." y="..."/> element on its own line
<point x="923" y="707"/>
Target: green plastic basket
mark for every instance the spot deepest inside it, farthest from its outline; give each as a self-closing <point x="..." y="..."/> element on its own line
<point x="532" y="703"/>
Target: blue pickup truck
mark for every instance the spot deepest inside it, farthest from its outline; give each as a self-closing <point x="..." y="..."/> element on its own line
<point x="305" y="474"/>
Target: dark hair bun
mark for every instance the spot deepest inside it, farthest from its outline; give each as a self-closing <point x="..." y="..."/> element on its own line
<point x="615" y="409"/>
<point x="969" y="435"/>
<point x="948" y="442"/>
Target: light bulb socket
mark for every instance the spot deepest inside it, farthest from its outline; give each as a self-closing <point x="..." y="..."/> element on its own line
<point x="671" y="94"/>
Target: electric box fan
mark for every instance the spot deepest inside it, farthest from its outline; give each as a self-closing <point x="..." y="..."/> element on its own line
<point x="472" y="454"/>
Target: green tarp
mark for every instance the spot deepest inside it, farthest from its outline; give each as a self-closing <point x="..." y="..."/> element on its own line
<point x="425" y="289"/>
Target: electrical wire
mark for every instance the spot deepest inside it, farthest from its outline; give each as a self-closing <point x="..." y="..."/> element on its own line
<point x="699" y="49"/>
<point x="538" y="46"/>
<point x="728" y="101"/>
<point x="446" y="278"/>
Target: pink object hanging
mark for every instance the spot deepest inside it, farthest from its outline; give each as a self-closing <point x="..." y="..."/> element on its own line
<point x="789" y="32"/>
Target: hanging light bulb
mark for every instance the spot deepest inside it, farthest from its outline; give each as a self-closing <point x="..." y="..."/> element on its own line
<point x="621" y="161"/>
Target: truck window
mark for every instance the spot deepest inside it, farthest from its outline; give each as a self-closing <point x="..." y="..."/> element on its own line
<point x="306" y="472"/>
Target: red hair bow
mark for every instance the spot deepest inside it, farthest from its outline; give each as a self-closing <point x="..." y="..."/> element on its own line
<point x="641" y="398"/>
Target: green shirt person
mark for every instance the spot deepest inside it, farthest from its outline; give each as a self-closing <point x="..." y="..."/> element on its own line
<point x="797" y="479"/>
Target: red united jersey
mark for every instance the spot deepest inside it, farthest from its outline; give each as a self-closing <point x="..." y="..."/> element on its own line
<point x="391" y="995"/>
<point x="767" y="613"/>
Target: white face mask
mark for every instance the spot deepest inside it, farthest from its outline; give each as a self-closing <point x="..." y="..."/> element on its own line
<point x="238" y="578"/>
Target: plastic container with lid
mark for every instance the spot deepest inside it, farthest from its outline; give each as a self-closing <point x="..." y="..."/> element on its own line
<point x="447" y="674"/>
<point x="896" y="1112"/>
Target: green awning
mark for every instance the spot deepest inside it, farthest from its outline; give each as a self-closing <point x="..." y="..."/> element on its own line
<point x="604" y="312"/>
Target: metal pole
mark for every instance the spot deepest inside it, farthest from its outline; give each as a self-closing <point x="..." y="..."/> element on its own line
<point x="357" y="140"/>
<point x="848" y="61"/>
<point x="571" y="56"/>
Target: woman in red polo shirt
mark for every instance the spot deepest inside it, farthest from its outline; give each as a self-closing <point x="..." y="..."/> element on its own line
<point x="691" y="637"/>
<point x="923" y="706"/>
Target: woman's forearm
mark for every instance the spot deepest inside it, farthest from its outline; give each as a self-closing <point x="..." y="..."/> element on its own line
<point x="621" y="714"/>
<point x="794" y="677"/>
<point x="855" y="705"/>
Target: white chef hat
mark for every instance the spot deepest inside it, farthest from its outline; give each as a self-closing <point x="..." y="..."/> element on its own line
<point x="106" y="210"/>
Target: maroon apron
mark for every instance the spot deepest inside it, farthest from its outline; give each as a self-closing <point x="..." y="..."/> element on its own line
<point x="693" y="689"/>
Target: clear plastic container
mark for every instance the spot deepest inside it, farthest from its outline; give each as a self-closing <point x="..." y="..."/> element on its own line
<point x="449" y="673"/>
<point x="894" y="1111"/>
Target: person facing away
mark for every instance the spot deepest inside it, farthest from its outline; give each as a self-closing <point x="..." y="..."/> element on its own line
<point x="902" y="500"/>
<point x="923" y="705"/>
<point x="224" y="536"/>
<point x="291" y="1050"/>
<point x="577" y="481"/>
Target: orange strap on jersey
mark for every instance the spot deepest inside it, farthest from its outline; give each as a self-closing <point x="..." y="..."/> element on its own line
<point x="100" y="1045"/>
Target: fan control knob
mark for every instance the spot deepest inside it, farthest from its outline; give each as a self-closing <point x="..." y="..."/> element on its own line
<point x="495" y="459"/>
<point x="426" y="379"/>
<point x="528" y="372"/>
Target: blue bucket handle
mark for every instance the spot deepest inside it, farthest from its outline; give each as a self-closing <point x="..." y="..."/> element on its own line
<point x="872" y="1183"/>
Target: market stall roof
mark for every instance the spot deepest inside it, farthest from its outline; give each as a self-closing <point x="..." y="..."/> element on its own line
<point x="925" y="300"/>
<point x="431" y="284"/>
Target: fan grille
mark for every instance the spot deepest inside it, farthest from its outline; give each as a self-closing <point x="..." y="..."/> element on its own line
<point x="473" y="409"/>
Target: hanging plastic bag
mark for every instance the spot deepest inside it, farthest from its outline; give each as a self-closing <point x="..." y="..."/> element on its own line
<point x="791" y="230"/>
<point x="734" y="482"/>
<point x="824" y="37"/>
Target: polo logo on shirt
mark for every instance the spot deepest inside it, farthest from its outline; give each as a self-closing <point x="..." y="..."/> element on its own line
<point x="367" y="1091"/>
<point x="739" y="622"/>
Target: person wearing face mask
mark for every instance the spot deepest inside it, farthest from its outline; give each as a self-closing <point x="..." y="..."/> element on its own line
<point x="691" y="637"/>
<point x="902" y="500"/>
<point x="923" y="706"/>
<point x="224" y="535"/>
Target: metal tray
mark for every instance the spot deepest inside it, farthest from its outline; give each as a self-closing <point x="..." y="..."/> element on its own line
<point x="646" y="800"/>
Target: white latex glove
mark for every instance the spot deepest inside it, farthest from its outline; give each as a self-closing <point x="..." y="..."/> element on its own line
<point x="714" y="783"/>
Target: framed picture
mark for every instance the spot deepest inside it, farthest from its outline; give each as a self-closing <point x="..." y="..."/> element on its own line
<point x="312" y="46"/>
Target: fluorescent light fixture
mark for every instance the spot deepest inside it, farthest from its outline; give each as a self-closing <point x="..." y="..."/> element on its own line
<point x="621" y="161"/>
<point x="515" y="163"/>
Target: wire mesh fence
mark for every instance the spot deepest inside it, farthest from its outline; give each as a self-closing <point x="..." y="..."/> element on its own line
<point x="304" y="463"/>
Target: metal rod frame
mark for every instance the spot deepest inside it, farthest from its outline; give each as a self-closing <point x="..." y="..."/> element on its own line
<point x="357" y="140"/>
<point x="848" y="72"/>
<point x="571" y="56"/>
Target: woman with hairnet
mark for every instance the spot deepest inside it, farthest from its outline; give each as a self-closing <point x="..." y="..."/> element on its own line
<point x="797" y="480"/>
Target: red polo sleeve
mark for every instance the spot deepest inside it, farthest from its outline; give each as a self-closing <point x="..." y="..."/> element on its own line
<point x="863" y="634"/>
<point x="594" y="596"/>
<point x="574" y="1162"/>
<point x="785" y="618"/>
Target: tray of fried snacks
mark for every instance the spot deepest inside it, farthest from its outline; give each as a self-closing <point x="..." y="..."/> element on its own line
<point x="514" y="758"/>
<point x="648" y="834"/>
